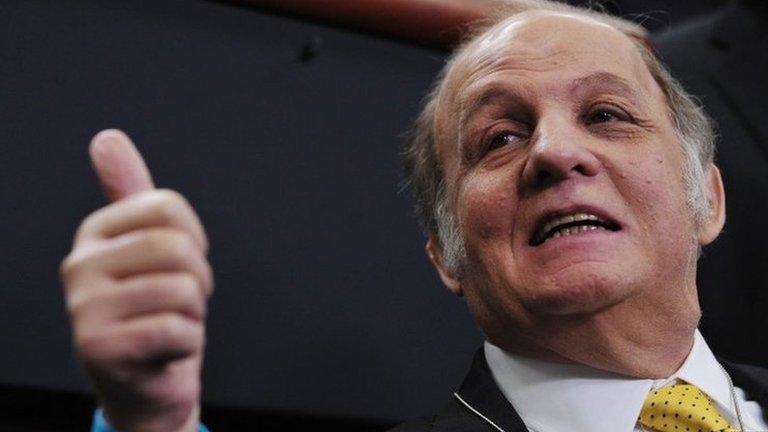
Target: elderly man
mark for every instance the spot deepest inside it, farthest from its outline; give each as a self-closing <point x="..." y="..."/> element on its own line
<point x="566" y="184"/>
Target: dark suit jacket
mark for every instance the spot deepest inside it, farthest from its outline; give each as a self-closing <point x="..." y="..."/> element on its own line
<point x="723" y="59"/>
<point x="479" y="391"/>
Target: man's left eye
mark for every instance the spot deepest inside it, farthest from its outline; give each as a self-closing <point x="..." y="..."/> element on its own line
<point x="604" y="116"/>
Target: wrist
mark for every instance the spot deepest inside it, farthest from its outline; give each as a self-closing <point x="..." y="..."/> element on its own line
<point x="101" y="424"/>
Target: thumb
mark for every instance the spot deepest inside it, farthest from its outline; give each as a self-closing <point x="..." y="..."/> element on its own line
<point x="119" y="165"/>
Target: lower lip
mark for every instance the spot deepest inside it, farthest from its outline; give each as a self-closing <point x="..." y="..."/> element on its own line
<point x="586" y="241"/>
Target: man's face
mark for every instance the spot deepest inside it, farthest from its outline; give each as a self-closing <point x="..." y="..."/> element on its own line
<point x="565" y="175"/>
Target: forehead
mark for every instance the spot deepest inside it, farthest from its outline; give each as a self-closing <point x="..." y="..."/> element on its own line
<point x="542" y="49"/>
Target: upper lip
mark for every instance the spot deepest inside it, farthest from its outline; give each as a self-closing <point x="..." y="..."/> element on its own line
<point x="538" y="235"/>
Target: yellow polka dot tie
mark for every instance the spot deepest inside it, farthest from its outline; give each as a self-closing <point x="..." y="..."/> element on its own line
<point x="681" y="408"/>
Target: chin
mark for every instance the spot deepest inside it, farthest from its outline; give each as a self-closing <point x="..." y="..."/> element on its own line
<point x="583" y="289"/>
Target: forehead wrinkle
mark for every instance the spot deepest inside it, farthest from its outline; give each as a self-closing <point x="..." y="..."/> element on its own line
<point x="509" y="44"/>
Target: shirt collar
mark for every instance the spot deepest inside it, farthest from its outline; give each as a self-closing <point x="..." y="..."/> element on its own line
<point x="702" y="369"/>
<point x="563" y="397"/>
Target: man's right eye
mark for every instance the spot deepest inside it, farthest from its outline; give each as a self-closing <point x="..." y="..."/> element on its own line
<point x="501" y="139"/>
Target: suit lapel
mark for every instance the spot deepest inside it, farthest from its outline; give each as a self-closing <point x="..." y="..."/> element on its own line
<point x="741" y="75"/>
<point x="480" y="394"/>
<point x="753" y="380"/>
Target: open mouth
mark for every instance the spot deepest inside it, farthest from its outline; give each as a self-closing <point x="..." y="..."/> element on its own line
<point x="570" y="224"/>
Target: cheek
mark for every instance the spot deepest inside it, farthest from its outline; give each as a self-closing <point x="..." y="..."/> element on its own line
<point x="657" y="196"/>
<point x="485" y="206"/>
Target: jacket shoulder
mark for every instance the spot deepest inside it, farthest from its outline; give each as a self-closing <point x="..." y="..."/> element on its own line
<point x="454" y="418"/>
<point x="752" y="379"/>
<point x="413" y="426"/>
<point x="747" y="374"/>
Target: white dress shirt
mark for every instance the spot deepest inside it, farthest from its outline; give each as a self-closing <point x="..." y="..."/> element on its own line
<point x="555" y="397"/>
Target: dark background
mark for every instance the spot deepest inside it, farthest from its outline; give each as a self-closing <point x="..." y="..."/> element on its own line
<point x="284" y="135"/>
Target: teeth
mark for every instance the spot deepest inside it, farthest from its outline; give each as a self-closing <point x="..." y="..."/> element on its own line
<point x="577" y="217"/>
<point x="566" y="219"/>
<point x="575" y="230"/>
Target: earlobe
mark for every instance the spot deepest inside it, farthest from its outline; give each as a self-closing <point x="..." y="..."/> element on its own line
<point x="712" y="227"/>
<point x="435" y="254"/>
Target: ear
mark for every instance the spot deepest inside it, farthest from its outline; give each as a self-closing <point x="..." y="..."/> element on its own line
<point x="714" y="224"/>
<point x="435" y="254"/>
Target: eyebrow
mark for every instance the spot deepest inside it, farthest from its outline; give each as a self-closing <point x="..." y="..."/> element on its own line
<point x="494" y="93"/>
<point x="606" y="81"/>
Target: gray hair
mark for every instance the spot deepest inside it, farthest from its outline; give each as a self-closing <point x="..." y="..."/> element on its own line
<point x="424" y="171"/>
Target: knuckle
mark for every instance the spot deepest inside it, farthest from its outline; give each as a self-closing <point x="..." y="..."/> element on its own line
<point x="181" y="289"/>
<point x="194" y="299"/>
<point x="92" y="224"/>
<point x="209" y="279"/>
<point x="183" y="292"/>
<point x="174" y="326"/>
<point x="171" y="195"/>
<point x="142" y="343"/>
<point x="73" y="265"/>
<point x="76" y="304"/>
<point x="85" y="302"/>
<point x="180" y="245"/>
<point x="165" y="332"/>
<point x="170" y="327"/>
<point x="88" y="224"/>
<point x="186" y="284"/>
<point x="153" y="243"/>
<point x="170" y="204"/>
<point x="172" y="333"/>
<point x="89" y="346"/>
<point x="169" y="243"/>
<point x="66" y="267"/>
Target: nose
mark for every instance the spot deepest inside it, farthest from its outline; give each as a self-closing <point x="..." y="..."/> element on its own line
<point x="558" y="152"/>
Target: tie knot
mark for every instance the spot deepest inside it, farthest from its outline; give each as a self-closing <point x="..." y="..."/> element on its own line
<point x="681" y="408"/>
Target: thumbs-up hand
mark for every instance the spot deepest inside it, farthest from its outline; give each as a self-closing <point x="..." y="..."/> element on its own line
<point x="136" y="285"/>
